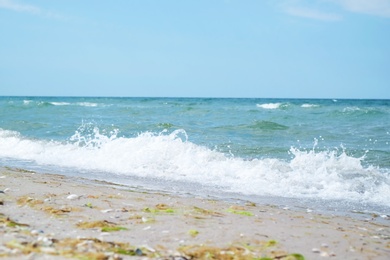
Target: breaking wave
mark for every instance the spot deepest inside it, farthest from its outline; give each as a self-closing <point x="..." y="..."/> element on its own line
<point x="170" y="156"/>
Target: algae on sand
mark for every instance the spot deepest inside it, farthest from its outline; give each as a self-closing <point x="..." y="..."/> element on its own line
<point x="105" y="226"/>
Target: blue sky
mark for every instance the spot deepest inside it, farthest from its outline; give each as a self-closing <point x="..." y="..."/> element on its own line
<point x="196" y="48"/>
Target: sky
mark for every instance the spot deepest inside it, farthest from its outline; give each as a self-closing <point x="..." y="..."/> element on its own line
<point x="196" y="48"/>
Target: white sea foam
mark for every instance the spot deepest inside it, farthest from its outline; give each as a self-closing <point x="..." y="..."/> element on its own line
<point x="87" y="104"/>
<point x="351" y="109"/>
<point x="169" y="156"/>
<point x="83" y="104"/>
<point x="60" y="103"/>
<point x="309" y="105"/>
<point x="269" y="105"/>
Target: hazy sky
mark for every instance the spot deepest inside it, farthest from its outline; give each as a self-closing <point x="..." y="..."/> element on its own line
<point x="196" y="48"/>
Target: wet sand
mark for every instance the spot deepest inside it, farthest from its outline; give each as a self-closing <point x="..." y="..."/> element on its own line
<point x="49" y="216"/>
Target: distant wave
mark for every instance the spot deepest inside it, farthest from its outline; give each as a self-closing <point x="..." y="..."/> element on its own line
<point x="269" y="105"/>
<point x="83" y="104"/>
<point x="362" y="111"/>
<point x="87" y="104"/>
<point x="350" y="109"/>
<point x="59" y="103"/>
<point x="309" y="105"/>
<point x="283" y="105"/>
<point x="268" y="125"/>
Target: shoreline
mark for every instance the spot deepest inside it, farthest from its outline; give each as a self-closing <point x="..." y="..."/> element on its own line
<point x="46" y="216"/>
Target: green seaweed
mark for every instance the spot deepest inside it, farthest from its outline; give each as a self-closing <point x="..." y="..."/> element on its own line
<point x="193" y="232"/>
<point x="160" y="208"/>
<point x="105" y="226"/>
<point x="234" y="252"/>
<point x="123" y="251"/>
<point x="149" y="210"/>
<point x="271" y="243"/>
<point x="207" y="212"/>
<point x="88" y="205"/>
<point x="112" y="229"/>
<point x="11" y="223"/>
<point x="169" y="211"/>
<point x="297" y="256"/>
<point x="240" y="212"/>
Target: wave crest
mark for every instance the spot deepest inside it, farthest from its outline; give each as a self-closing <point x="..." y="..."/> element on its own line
<point x="269" y="105"/>
<point x="170" y="156"/>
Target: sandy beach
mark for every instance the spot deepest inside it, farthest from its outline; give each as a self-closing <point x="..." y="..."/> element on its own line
<point x="49" y="216"/>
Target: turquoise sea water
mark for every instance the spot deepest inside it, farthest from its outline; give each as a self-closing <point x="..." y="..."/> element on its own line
<point x="320" y="152"/>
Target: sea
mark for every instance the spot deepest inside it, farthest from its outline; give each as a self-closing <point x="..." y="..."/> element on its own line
<point x="317" y="154"/>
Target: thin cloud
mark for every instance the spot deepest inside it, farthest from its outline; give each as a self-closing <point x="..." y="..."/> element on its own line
<point x="322" y="10"/>
<point x="319" y="9"/>
<point x="312" y="13"/>
<point x="31" y="9"/>
<point x="371" y="7"/>
<point x="11" y="5"/>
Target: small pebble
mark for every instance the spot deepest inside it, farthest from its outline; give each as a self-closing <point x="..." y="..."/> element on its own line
<point x="316" y="250"/>
<point x="34" y="232"/>
<point x="138" y="252"/>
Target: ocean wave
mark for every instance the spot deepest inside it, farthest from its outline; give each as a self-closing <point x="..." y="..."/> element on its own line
<point x="87" y="104"/>
<point x="82" y="104"/>
<point x="356" y="111"/>
<point x="309" y="105"/>
<point x="351" y="109"/>
<point x="269" y="105"/>
<point x="267" y="125"/>
<point x="280" y="105"/>
<point x="58" y="103"/>
<point x="170" y="156"/>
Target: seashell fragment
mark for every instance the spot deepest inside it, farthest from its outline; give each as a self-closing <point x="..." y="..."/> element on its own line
<point x="73" y="197"/>
<point x="316" y="250"/>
